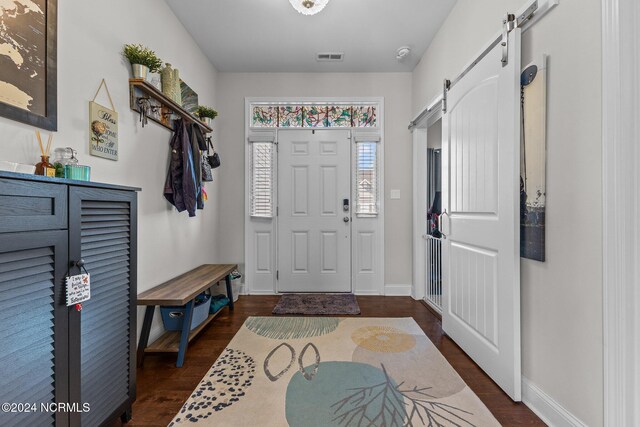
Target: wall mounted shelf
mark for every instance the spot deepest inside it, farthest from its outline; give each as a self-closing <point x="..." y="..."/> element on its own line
<point x="163" y="110"/>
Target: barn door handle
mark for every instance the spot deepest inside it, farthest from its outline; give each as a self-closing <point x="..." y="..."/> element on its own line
<point x="444" y="212"/>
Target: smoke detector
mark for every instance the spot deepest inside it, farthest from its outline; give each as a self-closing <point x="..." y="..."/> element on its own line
<point x="402" y="52"/>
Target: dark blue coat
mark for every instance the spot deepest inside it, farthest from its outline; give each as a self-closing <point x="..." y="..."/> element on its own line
<point x="182" y="187"/>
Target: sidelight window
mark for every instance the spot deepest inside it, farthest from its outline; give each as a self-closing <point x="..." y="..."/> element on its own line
<point x="262" y="194"/>
<point x="367" y="180"/>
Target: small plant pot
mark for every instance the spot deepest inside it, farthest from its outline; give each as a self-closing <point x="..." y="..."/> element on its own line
<point x="206" y="120"/>
<point x="140" y="71"/>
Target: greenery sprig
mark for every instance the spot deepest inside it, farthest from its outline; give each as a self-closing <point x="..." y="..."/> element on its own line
<point x="204" y="111"/>
<point x="139" y="54"/>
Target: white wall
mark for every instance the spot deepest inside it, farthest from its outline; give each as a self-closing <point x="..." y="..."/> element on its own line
<point x="434" y="135"/>
<point x="561" y="298"/>
<point x="90" y="39"/>
<point x="394" y="87"/>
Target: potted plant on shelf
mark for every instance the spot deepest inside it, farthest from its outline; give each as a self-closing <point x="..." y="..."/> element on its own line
<point x="206" y="114"/>
<point x="143" y="60"/>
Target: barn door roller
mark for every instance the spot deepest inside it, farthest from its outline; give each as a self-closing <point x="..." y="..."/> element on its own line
<point x="524" y="19"/>
<point x="508" y="24"/>
<point x="445" y="88"/>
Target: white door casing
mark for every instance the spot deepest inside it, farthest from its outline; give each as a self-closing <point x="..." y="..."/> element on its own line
<point x="621" y="211"/>
<point x="481" y="260"/>
<point x="261" y="233"/>
<point x="419" y="128"/>
<point x="314" y="230"/>
<point x="420" y="208"/>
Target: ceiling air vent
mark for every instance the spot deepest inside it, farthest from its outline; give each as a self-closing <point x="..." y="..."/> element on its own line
<point x="330" y="57"/>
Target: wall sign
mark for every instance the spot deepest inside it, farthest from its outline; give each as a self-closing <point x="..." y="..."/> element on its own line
<point x="78" y="289"/>
<point x="103" y="128"/>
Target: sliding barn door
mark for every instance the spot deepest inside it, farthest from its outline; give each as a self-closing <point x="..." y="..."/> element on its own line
<point x="481" y="158"/>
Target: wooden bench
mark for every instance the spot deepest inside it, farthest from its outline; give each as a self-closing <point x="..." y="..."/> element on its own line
<point x="181" y="291"/>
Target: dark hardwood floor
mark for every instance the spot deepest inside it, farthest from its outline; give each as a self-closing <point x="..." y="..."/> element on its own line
<point x="162" y="388"/>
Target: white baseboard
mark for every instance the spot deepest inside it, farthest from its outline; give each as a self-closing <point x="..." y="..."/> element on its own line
<point x="547" y="408"/>
<point x="392" y="290"/>
<point x="367" y="292"/>
<point x="254" y="292"/>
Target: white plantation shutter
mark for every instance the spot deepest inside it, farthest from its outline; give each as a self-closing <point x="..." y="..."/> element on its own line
<point x="262" y="179"/>
<point x="367" y="177"/>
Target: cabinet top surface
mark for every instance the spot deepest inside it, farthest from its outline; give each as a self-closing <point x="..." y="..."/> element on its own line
<point x="50" y="180"/>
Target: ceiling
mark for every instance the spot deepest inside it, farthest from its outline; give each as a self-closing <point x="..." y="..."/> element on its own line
<point x="271" y="36"/>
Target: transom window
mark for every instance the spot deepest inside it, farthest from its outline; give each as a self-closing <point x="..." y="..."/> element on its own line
<point x="314" y="116"/>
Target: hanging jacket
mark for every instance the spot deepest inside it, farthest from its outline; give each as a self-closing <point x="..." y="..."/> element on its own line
<point x="181" y="187"/>
<point x="197" y="142"/>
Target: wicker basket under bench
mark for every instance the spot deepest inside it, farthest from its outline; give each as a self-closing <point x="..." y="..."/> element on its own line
<point x="182" y="290"/>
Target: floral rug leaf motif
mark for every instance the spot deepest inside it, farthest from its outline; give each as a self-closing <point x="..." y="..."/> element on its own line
<point x="332" y="372"/>
<point x="282" y="328"/>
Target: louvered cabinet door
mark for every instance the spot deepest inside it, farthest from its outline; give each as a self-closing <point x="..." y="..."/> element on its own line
<point x="33" y="327"/>
<point x="102" y="232"/>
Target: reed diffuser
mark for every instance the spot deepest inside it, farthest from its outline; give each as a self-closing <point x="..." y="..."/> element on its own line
<point x="45" y="168"/>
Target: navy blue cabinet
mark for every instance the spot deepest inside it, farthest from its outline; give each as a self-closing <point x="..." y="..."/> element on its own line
<point x="60" y="366"/>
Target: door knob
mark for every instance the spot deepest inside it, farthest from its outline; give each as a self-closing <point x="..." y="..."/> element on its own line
<point x="345" y="219"/>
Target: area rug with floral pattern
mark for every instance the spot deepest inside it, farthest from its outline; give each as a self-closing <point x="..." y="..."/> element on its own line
<point x="329" y="371"/>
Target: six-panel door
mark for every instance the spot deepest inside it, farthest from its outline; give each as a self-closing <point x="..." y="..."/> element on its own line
<point x="314" y="223"/>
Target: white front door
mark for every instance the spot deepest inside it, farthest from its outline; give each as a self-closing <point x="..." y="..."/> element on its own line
<point x="314" y="228"/>
<point x="481" y="159"/>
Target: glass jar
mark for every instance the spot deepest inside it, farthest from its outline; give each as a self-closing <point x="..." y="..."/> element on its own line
<point x="62" y="157"/>
<point x="73" y="160"/>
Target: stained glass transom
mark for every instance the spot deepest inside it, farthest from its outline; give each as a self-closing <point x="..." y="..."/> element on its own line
<point x="264" y="116"/>
<point x="290" y="116"/>
<point x="314" y="116"/>
<point x="339" y="117"/>
<point x="365" y="116"/>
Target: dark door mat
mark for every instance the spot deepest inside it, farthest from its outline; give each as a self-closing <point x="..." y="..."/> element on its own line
<point x="317" y="304"/>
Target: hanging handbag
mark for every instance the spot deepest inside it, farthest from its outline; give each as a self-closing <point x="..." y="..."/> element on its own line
<point x="214" y="159"/>
<point x="207" y="175"/>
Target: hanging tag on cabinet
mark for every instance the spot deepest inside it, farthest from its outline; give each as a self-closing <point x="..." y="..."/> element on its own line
<point x="78" y="290"/>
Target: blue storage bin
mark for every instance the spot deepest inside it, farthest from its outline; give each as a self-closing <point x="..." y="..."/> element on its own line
<point x="173" y="317"/>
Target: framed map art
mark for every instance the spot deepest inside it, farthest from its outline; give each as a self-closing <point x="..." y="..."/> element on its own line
<point x="28" y="55"/>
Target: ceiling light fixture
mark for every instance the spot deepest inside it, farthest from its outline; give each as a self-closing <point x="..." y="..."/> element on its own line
<point x="402" y="52"/>
<point x="308" y="7"/>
